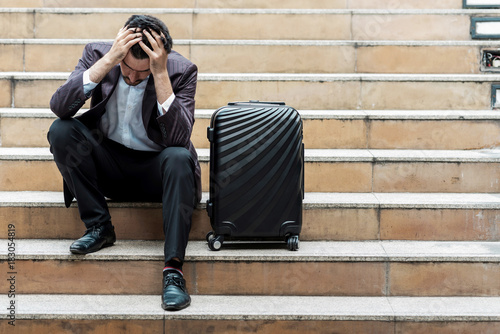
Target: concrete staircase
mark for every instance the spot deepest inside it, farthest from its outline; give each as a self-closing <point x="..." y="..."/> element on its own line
<point x="401" y="226"/>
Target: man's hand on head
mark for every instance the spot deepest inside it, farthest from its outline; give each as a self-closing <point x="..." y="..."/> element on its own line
<point x="158" y="56"/>
<point x="124" y="40"/>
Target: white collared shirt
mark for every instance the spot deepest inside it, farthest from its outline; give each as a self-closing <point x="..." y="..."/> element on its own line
<point x="122" y="121"/>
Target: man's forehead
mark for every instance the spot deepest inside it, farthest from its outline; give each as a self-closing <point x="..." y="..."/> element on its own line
<point x="138" y="65"/>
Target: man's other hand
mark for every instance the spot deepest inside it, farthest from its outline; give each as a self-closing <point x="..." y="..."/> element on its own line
<point x="158" y="56"/>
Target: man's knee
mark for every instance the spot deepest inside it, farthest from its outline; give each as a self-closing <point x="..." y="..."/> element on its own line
<point x="60" y="131"/>
<point x="176" y="158"/>
<point x="70" y="142"/>
<point x="65" y="130"/>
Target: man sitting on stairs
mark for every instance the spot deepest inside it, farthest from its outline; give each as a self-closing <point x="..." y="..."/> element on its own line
<point x="133" y="144"/>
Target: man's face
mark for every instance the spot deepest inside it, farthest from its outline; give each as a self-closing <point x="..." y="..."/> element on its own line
<point x="134" y="70"/>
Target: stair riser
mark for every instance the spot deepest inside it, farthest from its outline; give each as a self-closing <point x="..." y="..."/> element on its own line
<point x="320" y="4"/>
<point x="248" y="58"/>
<point x="139" y="326"/>
<point x="370" y="95"/>
<point x="146" y="224"/>
<point x="336" y="26"/>
<point x="264" y="278"/>
<point x="349" y="134"/>
<point x="243" y="326"/>
<point x="439" y="224"/>
<point x="320" y="177"/>
<point x="318" y="224"/>
<point x="434" y="279"/>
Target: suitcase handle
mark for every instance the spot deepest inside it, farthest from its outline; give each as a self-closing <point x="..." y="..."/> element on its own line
<point x="255" y="102"/>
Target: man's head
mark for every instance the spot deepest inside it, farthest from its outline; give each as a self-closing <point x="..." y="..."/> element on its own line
<point x="135" y="66"/>
<point x="148" y="23"/>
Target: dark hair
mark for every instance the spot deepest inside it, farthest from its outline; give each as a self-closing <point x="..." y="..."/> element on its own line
<point x="148" y="22"/>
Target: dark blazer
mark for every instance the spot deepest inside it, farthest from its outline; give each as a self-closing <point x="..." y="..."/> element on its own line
<point x="172" y="129"/>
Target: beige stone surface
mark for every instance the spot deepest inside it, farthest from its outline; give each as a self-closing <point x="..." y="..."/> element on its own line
<point x="301" y="278"/>
<point x="205" y="176"/>
<point x="282" y="278"/>
<point x="36" y="222"/>
<point x="426" y="95"/>
<point x="334" y="134"/>
<point x="5" y="94"/>
<point x="16" y="25"/>
<point x="24" y="132"/>
<point x="199" y="134"/>
<point x="444" y="279"/>
<point x="201" y="326"/>
<point x="21" y="3"/>
<point x="101" y="25"/>
<point x="318" y="4"/>
<point x="145" y="278"/>
<point x="11" y="57"/>
<point x="300" y="95"/>
<point x="410" y="27"/>
<point x="447" y="327"/>
<point x="404" y="4"/>
<point x="310" y="4"/>
<point x="338" y="177"/>
<point x="52" y="58"/>
<point x="119" y="3"/>
<point x="418" y="59"/>
<point x="438" y="134"/>
<point x="35" y="93"/>
<point x="273" y="59"/>
<point x="340" y="224"/>
<point x="453" y="225"/>
<point x="29" y="175"/>
<point x="271" y="26"/>
<point x="86" y="326"/>
<point x="436" y="177"/>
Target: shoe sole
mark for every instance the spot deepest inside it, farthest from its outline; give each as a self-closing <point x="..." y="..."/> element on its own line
<point x="174" y="308"/>
<point x="82" y="252"/>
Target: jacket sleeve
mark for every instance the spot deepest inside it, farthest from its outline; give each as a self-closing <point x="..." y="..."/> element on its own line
<point x="70" y="97"/>
<point x="177" y="124"/>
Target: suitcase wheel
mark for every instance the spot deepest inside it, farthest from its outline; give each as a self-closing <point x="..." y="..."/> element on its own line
<point x="214" y="241"/>
<point x="293" y="242"/>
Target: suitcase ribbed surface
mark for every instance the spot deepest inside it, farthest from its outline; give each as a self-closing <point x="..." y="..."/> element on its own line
<point x="256" y="171"/>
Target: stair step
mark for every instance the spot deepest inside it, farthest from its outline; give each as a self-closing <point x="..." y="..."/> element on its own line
<point x="326" y="170"/>
<point x="323" y="91"/>
<point x="377" y="268"/>
<point x="219" y="56"/>
<point x="354" y="271"/>
<point x="204" y="23"/>
<point x="354" y="129"/>
<point x="320" y="4"/>
<point x="270" y="314"/>
<point x="326" y="216"/>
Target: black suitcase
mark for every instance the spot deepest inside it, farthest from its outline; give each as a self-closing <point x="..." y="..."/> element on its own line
<point x="256" y="173"/>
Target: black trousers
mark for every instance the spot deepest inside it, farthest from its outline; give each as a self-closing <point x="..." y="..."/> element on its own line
<point x="94" y="167"/>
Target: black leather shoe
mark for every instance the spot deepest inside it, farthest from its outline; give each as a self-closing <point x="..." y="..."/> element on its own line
<point x="175" y="296"/>
<point x="94" y="239"/>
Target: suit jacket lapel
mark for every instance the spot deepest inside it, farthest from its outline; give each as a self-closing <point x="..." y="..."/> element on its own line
<point x="149" y="106"/>
<point x="109" y="85"/>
